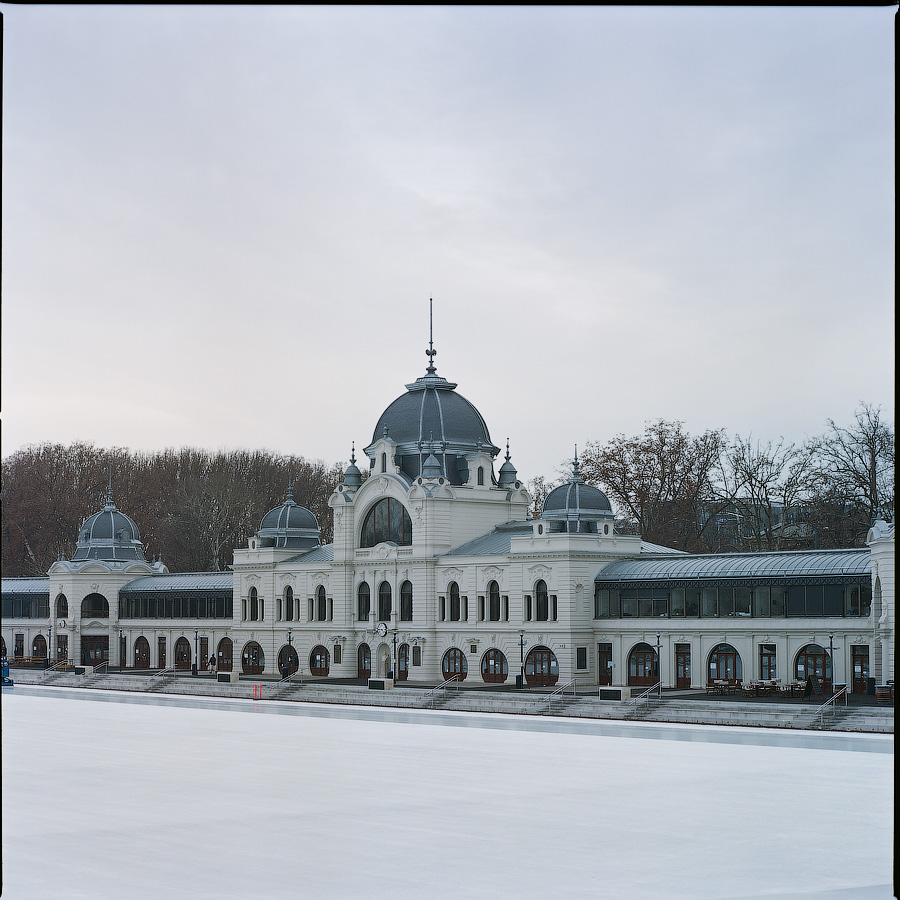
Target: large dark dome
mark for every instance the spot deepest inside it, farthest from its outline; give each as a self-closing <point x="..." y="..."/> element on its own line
<point x="109" y="535"/>
<point x="577" y="507"/>
<point x="432" y="418"/>
<point x="289" y="526"/>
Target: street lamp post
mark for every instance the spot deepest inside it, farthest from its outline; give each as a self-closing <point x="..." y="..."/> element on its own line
<point x="658" y="666"/>
<point x="290" y="659"/>
<point x="394" y="633"/>
<point x="121" y="649"/>
<point x="49" y="642"/>
<point x="521" y="659"/>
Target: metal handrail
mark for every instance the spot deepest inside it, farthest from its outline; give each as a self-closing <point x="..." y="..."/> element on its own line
<point x="169" y="670"/>
<point x="97" y="668"/>
<point x="290" y="677"/>
<point x="645" y="696"/>
<point x="819" y="713"/>
<point x="63" y="663"/>
<point x="444" y="685"/>
<point x="560" y="692"/>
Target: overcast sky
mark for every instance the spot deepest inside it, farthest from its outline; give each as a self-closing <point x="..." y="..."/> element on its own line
<point x="222" y="225"/>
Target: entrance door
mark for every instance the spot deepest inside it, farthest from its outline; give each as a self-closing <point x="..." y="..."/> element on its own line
<point x="683" y="666"/>
<point x="364" y="662"/>
<point x="860" y="662"/>
<point x="403" y="662"/>
<point x="224" y="660"/>
<point x="813" y="660"/>
<point x="62" y="647"/>
<point x="142" y="653"/>
<point x="161" y="652"/>
<point x="204" y="654"/>
<point x="182" y="654"/>
<point x="541" y="666"/>
<point x="642" y="666"/>
<point x="94" y="650"/>
<point x="604" y="655"/>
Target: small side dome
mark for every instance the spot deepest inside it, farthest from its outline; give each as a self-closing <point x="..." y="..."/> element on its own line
<point x="289" y="526"/>
<point x="109" y="535"/>
<point x="577" y="507"/>
<point x="352" y="475"/>
<point x="508" y="475"/>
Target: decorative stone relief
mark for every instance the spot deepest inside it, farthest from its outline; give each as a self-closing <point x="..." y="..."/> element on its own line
<point x="539" y="571"/>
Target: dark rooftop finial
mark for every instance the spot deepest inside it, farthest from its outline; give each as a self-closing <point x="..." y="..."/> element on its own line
<point x="353" y="453"/>
<point x="290" y="491"/>
<point x="431" y="353"/>
<point x="109" y="499"/>
<point x="507" y="449"/>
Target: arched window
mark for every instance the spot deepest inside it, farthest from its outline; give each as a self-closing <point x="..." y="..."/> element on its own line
<point x="363" y="602"/>
<point x="813" y="660"/>
<point x="725" y="664"/>
<point x="254" y="605"/>
<point x="494" y="601"/>
<point x="321" y="604"/>
<point x="454" y="663"/>
<point x="182" y="653"/>
<point x="387" y="520"/>
<point x="481" y="475"/>
<point x="289" y="603"/>
<point x="94" y="606"/>
<point x="39" y="647"/>
<point x="288" y="661"/>
<point x="384" y="602"/>
<point x="541" y="666"/>
<point x="318" y="661"/>
<point x="643" y="670"/>
<point x="62" y="607"/>
<point x="224" y="655"/>
<point x="253" y="660"/>
<point x="142" y="653"/>
<point x="494" y="667"/>
<point x="384" y="462"/>
<point x="542" y="605"/>
<point x="363" y="661"/>
<point x="406" y="602"/>
<point x="453" y="591"/>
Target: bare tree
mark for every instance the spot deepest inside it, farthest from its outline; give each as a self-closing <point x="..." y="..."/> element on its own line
<point x="661" y="480"/>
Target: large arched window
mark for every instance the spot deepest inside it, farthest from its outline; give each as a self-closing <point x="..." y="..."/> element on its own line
<point x="387" y="520"/>
<point x="454" y="663"/>
<point x="318" y="661"/>
<point x="289" y="603"/>
<point x="813" y="660"/>
<point x="494" y="601"/>
<point x="453" y="591"/>
<point x="253" y="660"/>
<point x="406" y="602"/>
<point x="94" y="606"/>
<point x="541" y="666"/>
<point x="725" y="664"/>
<point x="321" y="604"/>
<point x="542" y="606"/>
<point x="62" y="607"/>
<point x="363" y="602"/>
<point x="494" y="667"/>
<point x="643" y="670"/>
<point x="384" y="602"/>
<point x="254" y="605"/>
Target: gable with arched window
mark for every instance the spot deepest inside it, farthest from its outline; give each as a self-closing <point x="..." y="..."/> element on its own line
<point x="386" y="521"/>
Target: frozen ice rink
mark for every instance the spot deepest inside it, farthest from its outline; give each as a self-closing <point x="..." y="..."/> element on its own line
<point x="121" y="796"/>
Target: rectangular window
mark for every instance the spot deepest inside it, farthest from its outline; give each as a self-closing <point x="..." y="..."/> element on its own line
<point x="708" y="602"/>
<point x="692" y="602"/>
<point x="338" y="651"/>
<point x="645" y="607"/>
<point x="834" y="600"/>
<point x="465" y="609"/>
<point x="742" y="601"/>
<point x="554" y="606"/>
<point x="601" y="604"/>
<point x="527" y="607"/>
<point x="796" y="600"/>
<point x="581" y="657"/>
<point x="443" y="604"/>
<point x="629" y="604"/>
<point x="416" y="655"/>
<point x="815" y="599"/>
<point x="777" y="600"/>
<point x="761" y="608"/>
<point x="767" y="669"/>
<point x="726" y="602"/>
<point x="660" y="604"/>
<point x="480" y="608"/>
<point x="676" y="601"/>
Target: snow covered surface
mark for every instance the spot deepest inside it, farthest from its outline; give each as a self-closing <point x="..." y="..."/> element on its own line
<point x="109" y="795"/>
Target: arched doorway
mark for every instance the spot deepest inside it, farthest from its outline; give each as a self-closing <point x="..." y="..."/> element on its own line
<point x="455" y="663"/>
<point x="288" y="661"/>
<point x="813" y="660"/>
<point x="142" y="653"/>
<point x="253" y="660"/>
<point x="541" y="666"/>
<point x="39" y="647"/>
<point x="224" y="655"/>
<point x="725" y="664"/>
<point x="182" y="654"/>
<point x="642" y="668"/>
<point x="403" y="662"/>
<point x="363" y="661"/>
<point x="494" y="667"/>
<point x="319" y="661"/>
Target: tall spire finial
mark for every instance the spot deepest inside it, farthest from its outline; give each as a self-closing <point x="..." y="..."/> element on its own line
<point x="353" y="453"/>
<point x="431" y="353"/>
<point x="290" y="493"/>
<point x="109" y="499"/>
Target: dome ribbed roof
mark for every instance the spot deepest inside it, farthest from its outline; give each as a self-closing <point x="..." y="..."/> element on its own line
<point x="576" y="506"/>
<point x="289" y="525"/>
<point x="109" y="535"/>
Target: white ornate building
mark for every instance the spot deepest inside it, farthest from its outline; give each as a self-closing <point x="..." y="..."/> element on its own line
<point x="435" y="570"/>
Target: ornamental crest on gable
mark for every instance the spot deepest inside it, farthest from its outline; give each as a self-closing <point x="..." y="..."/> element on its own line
<point x="539" y="571"/>
<point x="452" y="574"/>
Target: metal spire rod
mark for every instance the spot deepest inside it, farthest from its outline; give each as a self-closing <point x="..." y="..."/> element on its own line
<point x="431" y="352"/>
